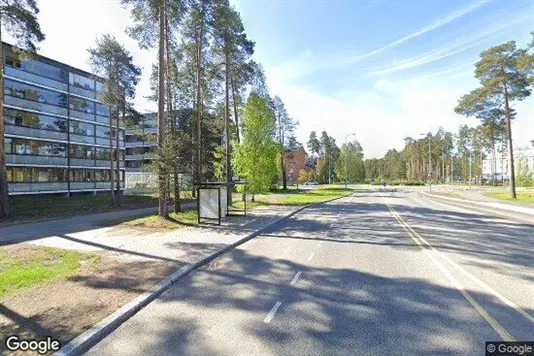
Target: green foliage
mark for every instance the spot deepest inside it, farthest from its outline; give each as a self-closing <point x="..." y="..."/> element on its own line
<point x="305" y="176"/>
<point x="255" y="157"/>
<point x="525" y="178"/>
<point x="350" y="163"/>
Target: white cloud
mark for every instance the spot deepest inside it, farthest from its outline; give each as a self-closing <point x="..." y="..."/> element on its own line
<point x="382" y="115"/>
<point x="72" y="26"/>
<point x="433" y="26"/>
<point x="453" y="48"/>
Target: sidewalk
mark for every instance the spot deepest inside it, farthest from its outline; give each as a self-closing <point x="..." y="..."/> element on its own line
<point x="131" y="261"/>
<point x="14" y="233"/>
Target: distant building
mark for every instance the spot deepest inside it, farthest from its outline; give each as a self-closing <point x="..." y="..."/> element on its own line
<point x="294" y="161"/>
<point x="140" y="142"/>
<point x="500" y="167"/>
<point x="56" y="130"/>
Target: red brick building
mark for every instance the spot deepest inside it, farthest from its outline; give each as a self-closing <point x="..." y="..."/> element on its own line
<point x="294" y="161"/>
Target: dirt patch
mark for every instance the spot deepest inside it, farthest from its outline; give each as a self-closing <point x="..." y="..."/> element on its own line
<point x="66" y="308"/>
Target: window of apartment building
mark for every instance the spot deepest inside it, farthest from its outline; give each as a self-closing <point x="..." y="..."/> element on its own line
<point x="8" y="144"/>
<point x="102" y="131"/>
<point x="12" y="60"/>
<point x="102" y="153"/>
<point x="82" y="175"/>
<point x="82" y="128"/>
<point x="36" y="67"/>
<point x="22" y="146"/>
<point x="82" y="152"/>
<point x="36" y="175"/>
<point x="102" y="110"/>
<point x="102" y="175"/>
<point x="34" y="121"/>
<point x="81" y="81"/>
<point x="82" y="105"/>
<point x="29" y="92"/>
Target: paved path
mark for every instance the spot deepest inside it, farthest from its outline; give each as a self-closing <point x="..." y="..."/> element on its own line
<point x="182" y="245"/>
<point x="380" y="273"/>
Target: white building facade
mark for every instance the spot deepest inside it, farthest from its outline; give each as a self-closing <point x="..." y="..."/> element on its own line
<point x="500" y="166"/>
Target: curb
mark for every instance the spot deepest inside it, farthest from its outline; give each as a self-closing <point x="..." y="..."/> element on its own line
<point x="515" y="209"/>
<point x="91" y="337"/>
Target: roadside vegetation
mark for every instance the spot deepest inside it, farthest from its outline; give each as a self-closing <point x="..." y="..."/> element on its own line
<point x="24" y="267"/>
<point x="522" y="197"/>
<point x="34" y="208"/>
<point x="154" y="221"/>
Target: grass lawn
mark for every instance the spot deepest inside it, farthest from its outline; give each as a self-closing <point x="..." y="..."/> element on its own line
<point x="522" y="197"/>
<point x="29" y="207"/>
<point x="23" y="267"/>
<point x="153" y="221"/>
<point x="304" y="197"/>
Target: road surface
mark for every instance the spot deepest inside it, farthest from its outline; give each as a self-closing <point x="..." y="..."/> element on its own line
<point x="381" y="273"/>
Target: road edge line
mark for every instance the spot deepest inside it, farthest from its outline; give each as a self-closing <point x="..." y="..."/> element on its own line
<point x="85" y="341"/>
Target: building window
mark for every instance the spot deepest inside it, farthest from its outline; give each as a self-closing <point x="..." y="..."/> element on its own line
<point x="82" y="175"/>
<point x="8" y="144"/>
<point x="102" y="153"/>
<point x="82" y="82"/>
<point x="102" y="175"/>
<point x="40" y="68"/>
<point x="34" y="121"/>
<point x="29" y="92"/>
<point x="82" y="105"/>
<point x="21" y="146"/>
<point x="82" y="152"/>
<point x="82" y="128"/>
<point x="102" y="110"/>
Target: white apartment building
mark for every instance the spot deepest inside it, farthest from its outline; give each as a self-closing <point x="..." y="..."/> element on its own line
<point x="523" y="157"/>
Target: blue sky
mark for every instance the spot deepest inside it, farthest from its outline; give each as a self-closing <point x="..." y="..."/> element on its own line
<point x="383" y="69"/>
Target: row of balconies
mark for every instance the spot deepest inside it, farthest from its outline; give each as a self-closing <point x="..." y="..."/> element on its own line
<point x="53" y="135"/>
<point x="57" y="110"/>
<point x="15" y="188"/>
<point x="57" y="161"/>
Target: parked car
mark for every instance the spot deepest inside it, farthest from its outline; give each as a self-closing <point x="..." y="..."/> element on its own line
<point x="311" y="183"/>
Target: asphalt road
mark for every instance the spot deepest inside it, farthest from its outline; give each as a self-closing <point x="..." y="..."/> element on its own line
<point x="379" y="273"/>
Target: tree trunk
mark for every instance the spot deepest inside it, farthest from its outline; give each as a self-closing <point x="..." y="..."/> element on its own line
<point x="199" y="99"/>
<point x="171" y="114"/>
<point x="4" y="190"/>
<point x="236" y="118"/>
<point x="510" y="144"/>
<point x="227" y="119"/>
<point x="117" y="163"/>
<point x="161" y="108"/>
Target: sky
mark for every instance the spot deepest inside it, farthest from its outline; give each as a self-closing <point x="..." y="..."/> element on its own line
<point x="380" y="69"/>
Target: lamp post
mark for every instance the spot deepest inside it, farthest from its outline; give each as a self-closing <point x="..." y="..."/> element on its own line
<point x="347" y="158"/>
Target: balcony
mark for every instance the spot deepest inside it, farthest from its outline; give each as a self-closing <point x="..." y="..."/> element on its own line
<point x="82" y="139"/>
<point x="80" y="186"/>
<point x="37" y="160"/>
<point x="82" y="115"/>
<point x="82" y="162"/>
<point x="36" y="188"/>
<point x="138" y="157"/>
<point x="28" y="132"/>
<point x="34" y="105"/>
<point x="103" y="163"/>
<point x="141" y="144"/>
<point x="82" y="92"/>
<point x="34" y="78"/>
<point x="102" y="119"/>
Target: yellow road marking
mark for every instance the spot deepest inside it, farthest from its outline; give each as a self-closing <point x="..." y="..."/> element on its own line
<point x="475" y="279"/>
<point x="503" y="333"/>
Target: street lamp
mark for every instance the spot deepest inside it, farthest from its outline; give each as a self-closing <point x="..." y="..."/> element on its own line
<point x="347" y="158"/>
<point x="429" y="160"/>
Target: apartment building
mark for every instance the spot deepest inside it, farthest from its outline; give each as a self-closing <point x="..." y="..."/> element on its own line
<point x="57" y="137"/>
<point x="500" y="166"/>
<point x="140" y="142"/>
